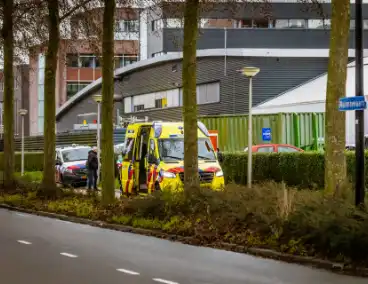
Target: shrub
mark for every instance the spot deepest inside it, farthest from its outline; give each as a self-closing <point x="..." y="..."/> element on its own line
<point x="305" y="170"/>
<point x="33" y="161"/>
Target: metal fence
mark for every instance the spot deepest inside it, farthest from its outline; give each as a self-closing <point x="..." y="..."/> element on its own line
<point x="86" y="137"/>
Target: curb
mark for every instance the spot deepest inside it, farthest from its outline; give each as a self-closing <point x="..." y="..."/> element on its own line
<point x="264" y="253"/>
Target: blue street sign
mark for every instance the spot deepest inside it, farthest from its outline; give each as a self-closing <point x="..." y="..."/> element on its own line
<point x="266" y="134"/>
<point x="352" y="103"/>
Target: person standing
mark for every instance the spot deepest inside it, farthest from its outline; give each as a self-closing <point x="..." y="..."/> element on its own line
<point x="92" y="167"/>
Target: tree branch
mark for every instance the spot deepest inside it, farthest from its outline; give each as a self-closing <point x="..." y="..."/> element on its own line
<point x="71" y="11"/>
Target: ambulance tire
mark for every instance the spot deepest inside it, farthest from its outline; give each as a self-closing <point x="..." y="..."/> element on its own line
<point x="157" y="187"/>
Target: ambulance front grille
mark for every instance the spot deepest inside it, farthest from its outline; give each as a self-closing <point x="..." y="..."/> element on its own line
<point x="204" y="177"/>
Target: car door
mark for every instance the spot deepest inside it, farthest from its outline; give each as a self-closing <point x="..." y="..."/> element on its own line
<point x="127" y="169"/>
<point x="152" y="165"/>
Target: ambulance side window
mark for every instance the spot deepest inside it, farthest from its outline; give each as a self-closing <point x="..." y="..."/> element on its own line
<point x="129" y="149"/>
<point x="152" y="152"/>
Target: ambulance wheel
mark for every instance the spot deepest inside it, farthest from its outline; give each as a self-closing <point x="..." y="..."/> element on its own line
<point x="157" y="187"/>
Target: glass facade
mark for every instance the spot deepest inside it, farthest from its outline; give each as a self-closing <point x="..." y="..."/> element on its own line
<point x="40" y="91"/>
<point x="74" y="87"/>
<point x="93" y="61"/>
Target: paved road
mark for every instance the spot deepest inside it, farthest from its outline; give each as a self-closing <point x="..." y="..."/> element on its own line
<point x="41" y="250"/>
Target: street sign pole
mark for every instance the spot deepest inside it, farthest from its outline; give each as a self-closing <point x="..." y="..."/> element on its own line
<point x="359" y="114"/>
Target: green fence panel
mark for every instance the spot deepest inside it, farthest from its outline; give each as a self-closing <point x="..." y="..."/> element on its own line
<point x="298" y="129"/>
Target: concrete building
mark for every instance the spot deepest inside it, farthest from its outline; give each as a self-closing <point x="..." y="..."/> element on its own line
<point x="21" y="98"/>
<point x="311" y="97"/>
<point x="78" y="62"/>
<point x="264" y="25"/>
<point x="288" y="41"/>
<point x="153" y="87"/>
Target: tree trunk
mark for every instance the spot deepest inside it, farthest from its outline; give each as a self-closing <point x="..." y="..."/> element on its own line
<point x="8" y="116"/>
<point x="48" y="187"/>
<point x="189" y="75"/>
<point x="107" y="137"/>
<point x="335" y="163"/>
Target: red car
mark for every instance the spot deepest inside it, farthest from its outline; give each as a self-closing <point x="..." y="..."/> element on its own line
<point x="274" y="148"/>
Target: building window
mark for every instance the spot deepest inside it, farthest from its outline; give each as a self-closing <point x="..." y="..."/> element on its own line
<point x="290" y="23"/>
<point x="122" y="60"/>
<point x="208" y="93"/>
<point x="72" y="60"/>
<point x="126" y="26"/>
<point x="158" y="54"/>
<point x="87" y="61"/>
<point x="158" y="103"/>
<point x="174" y="23"/>
<point x="118" y="62"/>
<point x="297" y="24"/>
<point x="74" y="87"/>
<point x="319" y="24"/>
<point x="156" y="25"/>
<point x="365" y="24"/>
<point x="40" y="91"/>
<point x="98" y="61"/>
<point x="130" y="59"/>
<point x="139" y="108"/>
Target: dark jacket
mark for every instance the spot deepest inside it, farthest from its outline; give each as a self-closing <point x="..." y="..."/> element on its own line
<point x="92" y="161"/>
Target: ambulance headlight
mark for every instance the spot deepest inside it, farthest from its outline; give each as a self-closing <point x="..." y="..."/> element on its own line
<point x="220" y="174"/>
<point x="168" y="174"/>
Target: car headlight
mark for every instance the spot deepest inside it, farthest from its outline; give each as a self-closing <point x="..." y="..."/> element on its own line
<point x="168" y="174"/>
<point x="219" y="173"/>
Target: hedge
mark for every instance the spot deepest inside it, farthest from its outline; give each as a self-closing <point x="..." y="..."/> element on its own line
<point x="295" y="169"/>
<point x="33" y="161"/>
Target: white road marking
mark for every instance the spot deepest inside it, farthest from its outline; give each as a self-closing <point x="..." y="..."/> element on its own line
<point x="127" y="271"/>
<point x="24" y="242"/>
<point x="69" y="255"/>
<point x="164" y="281"/>
<point x="22" y="215"/>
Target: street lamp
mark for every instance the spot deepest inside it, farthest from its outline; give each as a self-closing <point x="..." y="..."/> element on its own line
<point x="250" y="72"/>
<point x="98" y="100"/>
<point x="23" y="113"/>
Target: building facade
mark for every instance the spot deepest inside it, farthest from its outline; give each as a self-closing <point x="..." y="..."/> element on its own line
<point x="153" y="87"/>
<point x="262" y="25"/>
<point x="79" y="62"/>
<point x="289" y="42"/>
<point x="21" y="99"/>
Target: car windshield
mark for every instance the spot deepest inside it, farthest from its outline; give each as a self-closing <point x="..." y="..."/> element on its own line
<point x="78" y="154"/>
<point x="172" y="149"/>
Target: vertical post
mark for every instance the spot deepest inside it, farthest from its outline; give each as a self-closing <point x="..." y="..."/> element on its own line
<point x="250" y="135"/>
<point x="98" y="139"/>
<point x="296" y="127"/>
<point x="359" y="114"/>
<point x="315" y="131"/>
<point x="22" y="166"/>
<point x="225" y="47"/>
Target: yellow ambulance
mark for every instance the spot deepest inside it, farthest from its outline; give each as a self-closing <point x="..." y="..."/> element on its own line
<point x="153" y="158"/>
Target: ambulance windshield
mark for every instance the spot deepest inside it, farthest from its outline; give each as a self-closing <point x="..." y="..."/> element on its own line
<point x="172" y="149"/>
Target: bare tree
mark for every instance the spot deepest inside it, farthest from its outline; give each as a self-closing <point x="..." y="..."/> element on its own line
<point x="8" y="37"/>
<point x="108" y="174"/>
<point x="189" y="77"/>
<point x="48" y="186"/>
<point x="335" y="163"/>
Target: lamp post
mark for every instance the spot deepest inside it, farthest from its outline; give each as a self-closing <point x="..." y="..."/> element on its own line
<point x="250" y="72"/>
<point x="98" y="100"/>
<point x="359" y="114"/>
<point x="23" y="113"/>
